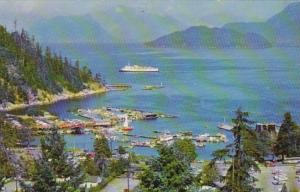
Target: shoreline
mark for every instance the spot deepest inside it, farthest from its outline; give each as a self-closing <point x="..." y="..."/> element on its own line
<point x="56" y="98"/>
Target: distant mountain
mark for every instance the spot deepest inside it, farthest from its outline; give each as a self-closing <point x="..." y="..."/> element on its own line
<point x="116" y="25"/>
<point x="283" y="29"/>
<point x="64" y="29"/>
<point x="201" y="36"/>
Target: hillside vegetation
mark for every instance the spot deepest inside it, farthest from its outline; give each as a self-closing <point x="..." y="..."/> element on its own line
<point x="30" y="74"/>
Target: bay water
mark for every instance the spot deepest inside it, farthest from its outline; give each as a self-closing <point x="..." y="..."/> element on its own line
<point x="202" y="87"/>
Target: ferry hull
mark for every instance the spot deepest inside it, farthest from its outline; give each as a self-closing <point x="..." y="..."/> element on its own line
<point x="138" y="71"/>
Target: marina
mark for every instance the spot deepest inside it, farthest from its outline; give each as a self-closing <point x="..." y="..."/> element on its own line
<point x="188" y="102"/>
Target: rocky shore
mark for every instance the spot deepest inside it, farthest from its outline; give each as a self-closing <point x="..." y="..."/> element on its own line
<point x="52" y="99"/>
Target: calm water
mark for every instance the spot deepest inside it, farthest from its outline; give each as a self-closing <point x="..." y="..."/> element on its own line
<point x="202" y="86"/>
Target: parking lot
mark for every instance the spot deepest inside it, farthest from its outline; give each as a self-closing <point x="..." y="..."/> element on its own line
<point x="272" y="178"/>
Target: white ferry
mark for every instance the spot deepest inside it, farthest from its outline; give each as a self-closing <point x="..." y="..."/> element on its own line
<point x="138" y="68"/>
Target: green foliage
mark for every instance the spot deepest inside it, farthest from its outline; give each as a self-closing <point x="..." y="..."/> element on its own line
<point x="118" y="167"/>
<point x="244" y="154"/>
<point x="168" y="172"/>
<point x="284" y="188"/>
<point x="103" y="152"/>
<point x="90" y="167"/>
<point x="29" y="167"/>
<point x="8" y="139"/>
<point x="8" y="134"/>
<point x="288" y="143"/>
<point x="265" y="142"/>
<point x="101" y="147"/>
<point x="26" y="68"/>
<point x="208" y="175"/>
<point x="54" y="165"/>
<point x="187" y="148"/>
<point x="121" y="150"/>
<point x="6" y="167"/>
<point x="44" y="178"/>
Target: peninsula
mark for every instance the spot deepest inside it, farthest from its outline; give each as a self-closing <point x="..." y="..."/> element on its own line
<point x="31" y="75"/>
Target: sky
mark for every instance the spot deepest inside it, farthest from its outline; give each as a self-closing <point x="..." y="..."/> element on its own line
<point x="193" y="12"/>
<point x="128" y="20"/>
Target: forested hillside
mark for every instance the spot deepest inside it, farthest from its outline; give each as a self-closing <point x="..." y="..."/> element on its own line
<point x="29" y="73"/>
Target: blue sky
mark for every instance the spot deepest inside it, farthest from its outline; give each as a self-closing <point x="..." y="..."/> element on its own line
<point x="192" y="12"/>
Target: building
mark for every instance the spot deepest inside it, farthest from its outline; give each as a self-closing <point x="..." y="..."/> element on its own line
<point x="90" y="182"/>
<point x="269" y="128"/>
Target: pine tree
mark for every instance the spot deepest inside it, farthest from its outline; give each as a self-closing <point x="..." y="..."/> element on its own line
<point x="284" y="188"/>
<point x="168" y="172"/>
<point x="43" y="180"/>
<point x="103" y="152"/>
<point x="285" y="140"/>
<point x="8" y="140"/>
<point x="187" y="148"/>
<point x="54" y="155"/>
<point x="244" y="154"/>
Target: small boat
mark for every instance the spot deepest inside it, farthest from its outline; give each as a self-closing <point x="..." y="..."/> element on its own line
<point x="225" y="126"/>
<point x="126" y="126"/>
<point x="166" y="137"/>
<point x="141" y="144"/>
<point x="150" y="116"/>
<point x="200" y="144"/>
<point x="153" y="87"/>
<point x="203" y="138"/>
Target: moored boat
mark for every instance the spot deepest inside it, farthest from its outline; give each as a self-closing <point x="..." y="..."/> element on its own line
<point x="225" y="126"/>
<point x="126" y="126"/>
<point x="153" y="87"/>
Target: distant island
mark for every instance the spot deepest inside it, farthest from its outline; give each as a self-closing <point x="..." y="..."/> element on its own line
<point x="282" y="29"/>
<point x="204" y="37"/>
<point x="30" y="75"/>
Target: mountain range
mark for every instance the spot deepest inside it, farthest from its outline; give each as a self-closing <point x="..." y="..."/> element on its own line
<point x="283" y="29"/>
<point x="124" y="25"/>
<point x="119" y="25"/>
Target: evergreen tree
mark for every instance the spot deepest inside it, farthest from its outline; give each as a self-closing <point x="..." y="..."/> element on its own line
<point x="208" y="175"/>
<point x="285" y="144"/>
<point x="55" y="165"/>
<point x="44" y="179"/>
<point x="8" y="162"/>
<point x="35" y="69"/>
<point x="284" y="188"/>
<point x="187" y="148"/>
<point x="103" y="152"/>
<point x="121" y="150"/>
<point x="168" y="172"/>
<point x="244" y="154"/>
<point x="90" y="166"/>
